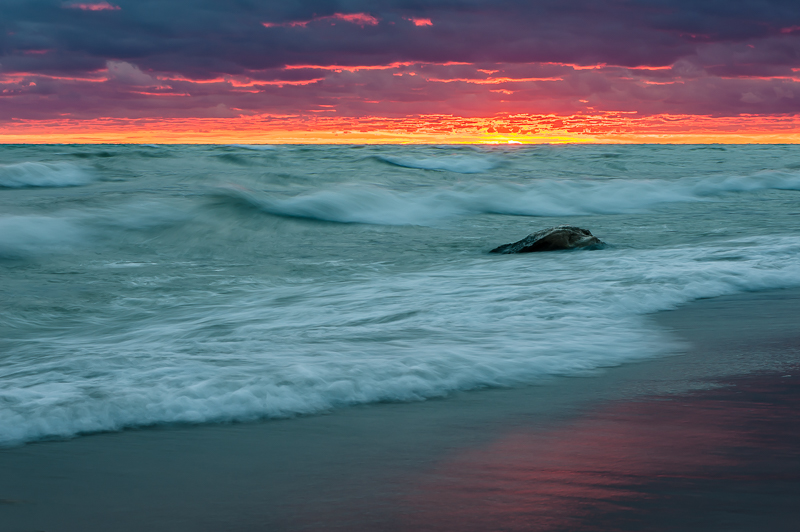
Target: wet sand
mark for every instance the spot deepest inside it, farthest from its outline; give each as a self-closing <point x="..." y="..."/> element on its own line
<point x="705" y="440"/>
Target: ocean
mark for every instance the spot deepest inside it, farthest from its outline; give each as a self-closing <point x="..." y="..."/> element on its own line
<point x="163" y="284"/>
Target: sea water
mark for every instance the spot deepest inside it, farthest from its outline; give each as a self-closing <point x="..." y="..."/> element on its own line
<point x="148" y="285"/>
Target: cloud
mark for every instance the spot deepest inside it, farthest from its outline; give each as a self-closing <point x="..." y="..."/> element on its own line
<point x="418" y="21"/>
<point x="97" y="6"/>
<point x="129" y="74"/>
<point x="470" y="57"/>
<point x="361" y="19"/>
<point x="216" y="37"/>
<point x="749" y="97"/>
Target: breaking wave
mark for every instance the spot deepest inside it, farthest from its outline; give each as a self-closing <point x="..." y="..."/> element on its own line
<point x="21" y="236"/>
<point x="30" y="174"/>
<point x="274" y="350"/>
<point x="30" y="235"/>
<point x="540" y="197"/>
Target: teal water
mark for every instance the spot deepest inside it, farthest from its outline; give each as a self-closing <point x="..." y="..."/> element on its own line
<point x="161" y="284"/>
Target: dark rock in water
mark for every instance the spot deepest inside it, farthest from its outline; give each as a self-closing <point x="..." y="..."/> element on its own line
<point x="555" y="238"/>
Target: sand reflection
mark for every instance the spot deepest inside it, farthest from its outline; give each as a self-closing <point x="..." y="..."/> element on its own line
<point x="685" y="461"/>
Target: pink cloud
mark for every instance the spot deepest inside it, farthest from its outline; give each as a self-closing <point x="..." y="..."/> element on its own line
<point x="99" y="6"/>
<point x="340" y="68"/>
<point x="492" y="81"/>
<point x="420" y="21"/>
<point x="362" y="19"/>
<point x="454" y="88"/>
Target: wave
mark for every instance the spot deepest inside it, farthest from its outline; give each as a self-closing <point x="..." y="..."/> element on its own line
<point x="30" y="235"/>
<point x="541" y="197"/>
<point x="461" y="164"/>
<point x="30" y="174"/>
<point x="255" y="147"/>
<point x="351" y="204"/>
<point x="21" y="236"/>
<point x="276" y="350"/>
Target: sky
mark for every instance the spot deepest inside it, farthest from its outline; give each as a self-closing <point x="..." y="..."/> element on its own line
<point x="400" y="71"/>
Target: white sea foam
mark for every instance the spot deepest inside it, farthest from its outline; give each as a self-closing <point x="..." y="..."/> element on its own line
<point x="356" y="204"/>
<point x="29" y="235"/>
<point x="177" y="309"/>
<point x="275" y="349"/>
<point x="66" y="230"/>
<point x="31" y="174"/>
<point x="462" y="164"/>
<point x="538" y="197"/>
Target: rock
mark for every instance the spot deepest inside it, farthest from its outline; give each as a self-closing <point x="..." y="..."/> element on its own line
<point x="555" y="238"/>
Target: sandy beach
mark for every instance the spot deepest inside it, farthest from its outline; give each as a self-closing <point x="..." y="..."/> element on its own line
<point x="706" y="440"/>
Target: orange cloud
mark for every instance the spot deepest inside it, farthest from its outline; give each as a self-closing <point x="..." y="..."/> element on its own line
<point x="401" y="89"/>
<point x="601" y="66"/>
<point x="492" y="81"/>
<point x="420" y="21"/>
<point x="98" y="6"/>
<point x="388" y="66"/>
<point x="19" y="76"/>
<point x="424" y="129"/>
<point x="362" y="19"/>
<point x="339" y="68"/>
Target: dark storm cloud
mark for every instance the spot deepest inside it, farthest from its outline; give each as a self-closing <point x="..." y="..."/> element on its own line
<point x="206" y="38"/>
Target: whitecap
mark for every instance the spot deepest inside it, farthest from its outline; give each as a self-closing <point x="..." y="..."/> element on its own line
<point x="69" y="229"/>
<point x="26" y="235"/>
<point x="278" y="350"/>
<point x="33" y="174"/>
<point x="352" y="204"/>
<point x="539" y="197"/>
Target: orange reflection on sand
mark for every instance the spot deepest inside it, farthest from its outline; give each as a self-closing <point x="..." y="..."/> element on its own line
<point x="614" y="466"/>
<point x="611" y="127"/>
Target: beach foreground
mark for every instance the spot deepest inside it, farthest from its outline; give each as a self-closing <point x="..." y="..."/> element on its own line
<point x="707" y="440"/>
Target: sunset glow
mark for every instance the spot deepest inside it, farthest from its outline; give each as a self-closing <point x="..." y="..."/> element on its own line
<point x="379" y="66"/>
<point x="519" y="129"/>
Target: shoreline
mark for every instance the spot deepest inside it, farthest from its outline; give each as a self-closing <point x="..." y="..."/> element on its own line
<point x="402" y="466"/>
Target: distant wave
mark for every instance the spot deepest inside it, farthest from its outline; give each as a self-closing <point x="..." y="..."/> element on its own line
<point x="256" y="147"/>
<point x="541" y="197"/>
<point x="30" y="174"/>
<point x="462" y="164"/>
<point x="368" y="205"/>
<point x="63" y="231"/>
